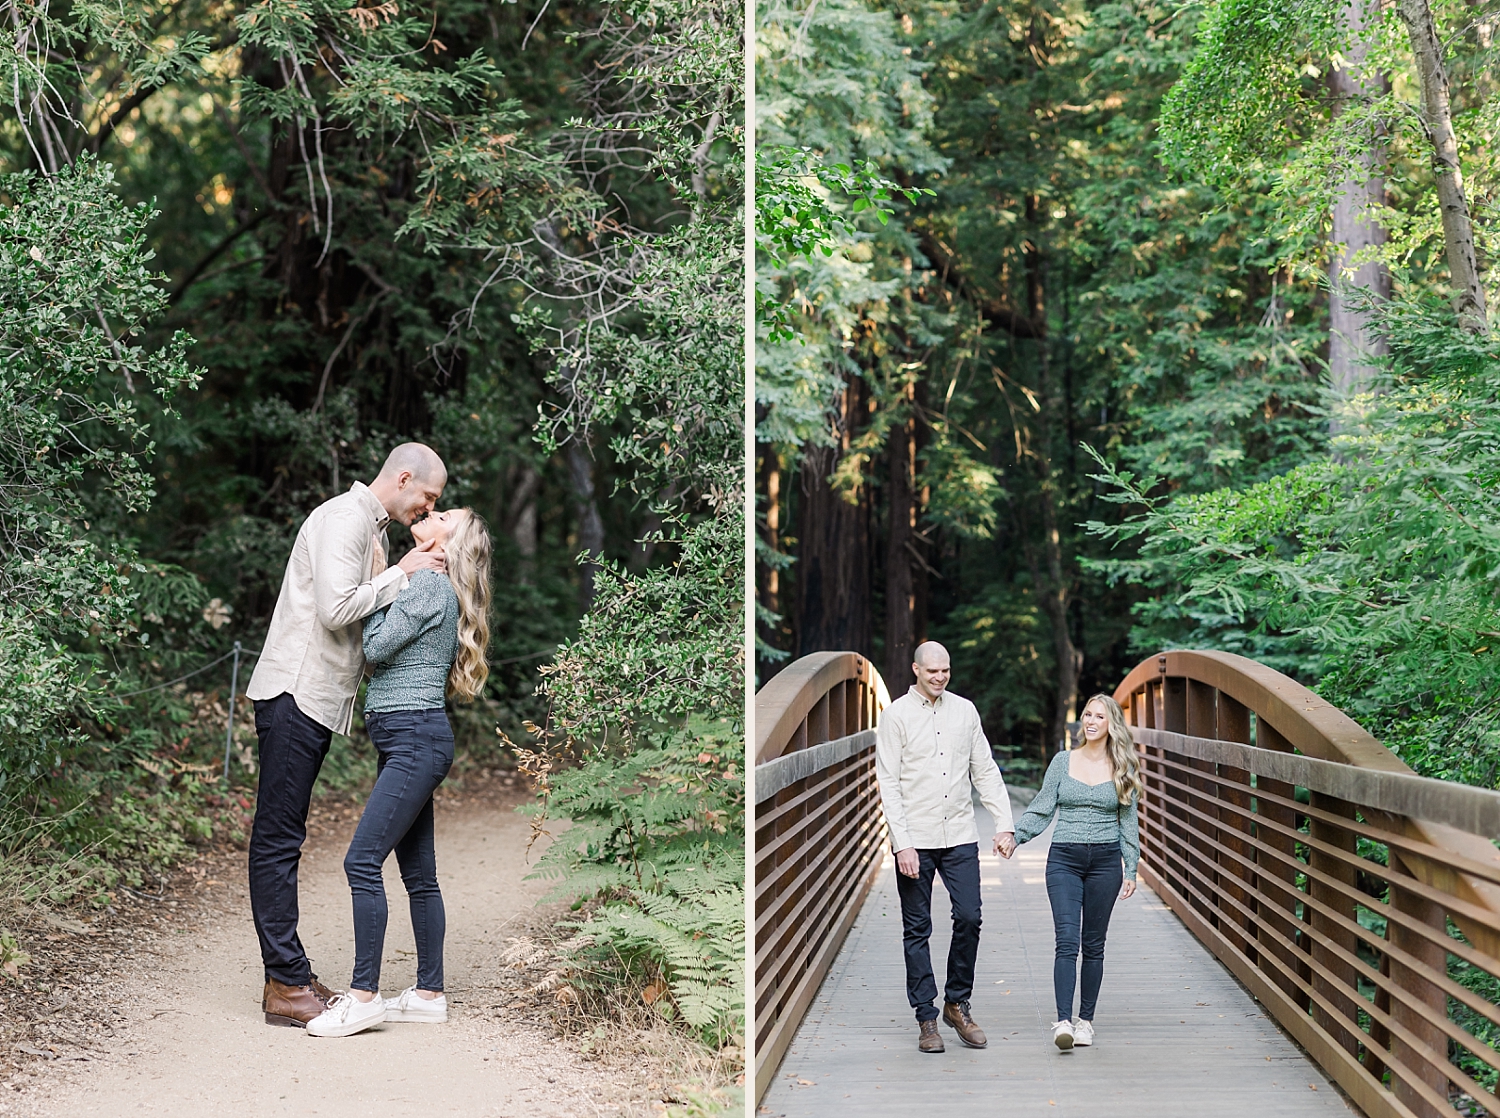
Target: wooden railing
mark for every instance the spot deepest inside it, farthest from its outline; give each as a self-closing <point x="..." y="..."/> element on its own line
<point x="1359" y="902"/>
<point x="819" y="833"/>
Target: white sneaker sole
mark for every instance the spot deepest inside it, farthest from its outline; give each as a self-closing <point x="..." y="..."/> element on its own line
<point x="393" y="1014"/>
<point x="317" y="1027"/>
<point x="1064" y="1042"/>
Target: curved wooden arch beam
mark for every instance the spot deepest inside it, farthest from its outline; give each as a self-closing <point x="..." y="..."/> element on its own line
<point x="1312" y="724"/>
<point x="1317" y="728"/>
<point x="784" y="703"/>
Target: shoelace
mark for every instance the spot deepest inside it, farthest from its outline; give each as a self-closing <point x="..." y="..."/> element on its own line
<point x="339" y="1007"/>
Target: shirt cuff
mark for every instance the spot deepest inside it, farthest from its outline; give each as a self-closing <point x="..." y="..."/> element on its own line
<point x="389" y="583"/>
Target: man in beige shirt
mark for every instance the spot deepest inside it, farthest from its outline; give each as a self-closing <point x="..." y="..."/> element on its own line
<point x="930" y="753"/>
<point x="304" y="687"/>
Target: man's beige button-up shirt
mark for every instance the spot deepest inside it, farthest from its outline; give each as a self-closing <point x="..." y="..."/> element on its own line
<point x="928" y="754"/>
<point x="315" y="649"/>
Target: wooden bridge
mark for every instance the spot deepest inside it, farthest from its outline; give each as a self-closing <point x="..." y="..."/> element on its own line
<point x="1318" y="932"/>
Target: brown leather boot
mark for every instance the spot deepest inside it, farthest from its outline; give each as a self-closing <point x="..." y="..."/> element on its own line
<point x="323" y="991"/>
<point x="929" y="1041"/>
<point x="956" y="1015"/>
<point x="291" y="1006"/>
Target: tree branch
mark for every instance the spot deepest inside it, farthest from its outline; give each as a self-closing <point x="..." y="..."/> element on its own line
<point x="213" y="254"/>
<point x="996" y="314"/>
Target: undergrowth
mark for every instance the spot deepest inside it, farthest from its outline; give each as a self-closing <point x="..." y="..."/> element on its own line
<point x="654" y="862"/>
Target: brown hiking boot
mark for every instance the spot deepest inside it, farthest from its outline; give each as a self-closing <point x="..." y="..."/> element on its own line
<point x="291" y="1006"/>
<point x="930" y="1041"/>
<point x="956" y="1015"/>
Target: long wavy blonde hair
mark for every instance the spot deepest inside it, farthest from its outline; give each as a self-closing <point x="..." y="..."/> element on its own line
<point x="1120" y="750"/>
<point x="468" y="553"/>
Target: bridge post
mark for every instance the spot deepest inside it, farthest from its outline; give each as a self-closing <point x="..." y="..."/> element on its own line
<point x="1241" y="883"/>
<point x="1202" y="721"/>
<point x="1279" y="934"/>
<point x="1177" y="827"/>
<point x="1333" y="976"/>
<point x="1422" y="990"/>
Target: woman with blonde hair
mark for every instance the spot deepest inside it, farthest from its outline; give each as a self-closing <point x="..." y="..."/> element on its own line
<point x="428" y="645"/>
<point x="1093" y="789"/>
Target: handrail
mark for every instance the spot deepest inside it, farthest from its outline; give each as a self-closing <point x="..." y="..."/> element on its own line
<point x="822" y="696"/>
<point x="1325" y="881"/>
<point x="819" y="834"/>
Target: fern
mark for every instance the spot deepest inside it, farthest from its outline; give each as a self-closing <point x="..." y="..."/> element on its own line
<point x="657" y="840"/>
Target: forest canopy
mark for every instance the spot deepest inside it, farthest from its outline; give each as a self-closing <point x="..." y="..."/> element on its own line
<point x="1188" y="347"/>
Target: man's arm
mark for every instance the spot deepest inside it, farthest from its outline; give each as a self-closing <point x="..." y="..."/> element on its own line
<point x="890" y="737"/>
<point x="990" y="785"/>
<point x="338" y="551"/>
<point x="416" y="610"/>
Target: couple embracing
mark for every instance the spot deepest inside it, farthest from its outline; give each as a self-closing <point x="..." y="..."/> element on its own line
<point x="931" y="755"/>
<point x="422" y="628"/>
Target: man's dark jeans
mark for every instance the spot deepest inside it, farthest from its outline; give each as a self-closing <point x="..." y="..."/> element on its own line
<point x="416" y="752"/>
<point x="292" y="748"/>
<point x="1083" y="880"/>
<point x="959" y="867"/>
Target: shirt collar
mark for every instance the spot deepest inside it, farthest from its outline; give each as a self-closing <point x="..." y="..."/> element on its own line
<point x="372" y="505"/>
<point x="934" y="704"/>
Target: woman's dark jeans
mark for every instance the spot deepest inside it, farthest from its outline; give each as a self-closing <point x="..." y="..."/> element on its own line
<point x="416" y="751"/>
<point x="1083" y="880"/>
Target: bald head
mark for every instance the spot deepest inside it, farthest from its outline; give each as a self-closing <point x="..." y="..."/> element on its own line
<point x="930" y="666"/>
<point x="929" y="652"/>
<point x="410" y="482"/>
<point x="417" y="459"/>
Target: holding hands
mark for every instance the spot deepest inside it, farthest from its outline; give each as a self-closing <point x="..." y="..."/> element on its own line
<point x="1005" y="843"/>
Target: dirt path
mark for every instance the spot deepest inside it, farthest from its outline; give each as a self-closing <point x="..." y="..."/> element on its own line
<point x="181" y="1031"/>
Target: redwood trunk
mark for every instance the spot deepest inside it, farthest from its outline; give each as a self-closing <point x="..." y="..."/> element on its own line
<point x="1352" y="343"/>
<point x="902" y="620"/>
<point x="832" y="572"/>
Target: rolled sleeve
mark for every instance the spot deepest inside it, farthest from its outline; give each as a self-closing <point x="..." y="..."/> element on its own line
<point x="339" y="557"/>
<point x="986" y="777"/>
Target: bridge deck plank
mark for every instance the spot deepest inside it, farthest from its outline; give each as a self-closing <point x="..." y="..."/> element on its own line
<point x="1178" y="1036"/>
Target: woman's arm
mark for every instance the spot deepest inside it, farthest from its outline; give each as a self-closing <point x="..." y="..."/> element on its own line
<point x="1130" y="836"/>
<point x="418" y="608"/>
<point x="1039" y="812"/>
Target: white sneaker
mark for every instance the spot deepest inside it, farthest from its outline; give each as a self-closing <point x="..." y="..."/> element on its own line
<point x="1083" y="1033"/>
<point x="409" y="1007"/>
<point x="346" y="1016"/>
<point x="1062" y="1035"/>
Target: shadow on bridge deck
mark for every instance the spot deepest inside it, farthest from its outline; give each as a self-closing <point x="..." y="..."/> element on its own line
<point x="1177" y="1035"/>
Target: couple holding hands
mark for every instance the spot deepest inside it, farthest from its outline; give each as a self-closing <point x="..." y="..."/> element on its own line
<point x="420" y="628"/>
<point x="931" y="751"/>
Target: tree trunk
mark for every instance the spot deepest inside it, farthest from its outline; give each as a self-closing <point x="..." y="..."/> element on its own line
<point x="832" y="572"/>
<point x="902" y="619"/>
<point x="769" y="582"/>
<point x="590" y="525"/>
<point x="1351" y="341"/>
<point x="1053" y="586"/>
<point x="1437" y="116"/>
<point x="520" y="517"/>
<point x="1056" y="595"/>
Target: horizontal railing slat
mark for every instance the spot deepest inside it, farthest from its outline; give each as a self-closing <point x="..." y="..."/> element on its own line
<point x="1475" y="810"/>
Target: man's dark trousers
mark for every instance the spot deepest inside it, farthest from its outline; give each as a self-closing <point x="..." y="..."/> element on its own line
<point x="292" y="749"/>
<point x="959" y="867"/>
